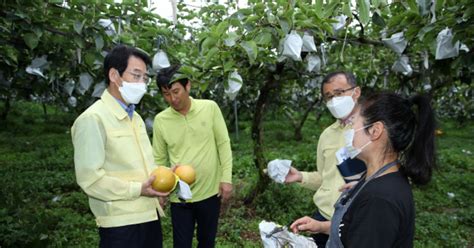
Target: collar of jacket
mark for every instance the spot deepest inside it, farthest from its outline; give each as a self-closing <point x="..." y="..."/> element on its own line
<point x="113" y="105"/>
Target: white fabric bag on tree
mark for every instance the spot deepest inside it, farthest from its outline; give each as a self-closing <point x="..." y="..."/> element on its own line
<point x="402" y="65"/>
<point x="396" y="42"/>
<point x="160" y="60"/>
<point x="314" y="63"/>
<point x="445" y="48"/>
<point x="292" y="46"/>
<point x="235" y="84"/>
<point x="341" y="22"/>
<point x="308" y="43"/>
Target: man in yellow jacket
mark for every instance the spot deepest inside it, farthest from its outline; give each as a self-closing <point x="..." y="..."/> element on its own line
<point x="340" y="93"/>
<point x="193" y="132"/>
<point x="113" y="156"/>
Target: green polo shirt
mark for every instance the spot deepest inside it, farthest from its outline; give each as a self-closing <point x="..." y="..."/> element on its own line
<point x="199" y="139"/>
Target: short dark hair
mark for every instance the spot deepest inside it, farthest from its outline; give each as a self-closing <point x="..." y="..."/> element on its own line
<point x="350" y="78"/>
<point x="118" y="59"/>
<point x="410" y="133"/>
<point x="165" y="75"/>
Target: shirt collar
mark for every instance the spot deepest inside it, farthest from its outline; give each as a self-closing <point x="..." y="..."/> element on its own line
<point x="347" y="121"/>
<point x="343" y="123"/>
<point x="193" y="105"/>
<point x="191" y="109"/>
<point x="114" y="105"/>
<point x="129" y="109"/>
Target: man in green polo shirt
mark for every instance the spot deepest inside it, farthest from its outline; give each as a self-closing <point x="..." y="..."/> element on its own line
<point x="193" y="132"/>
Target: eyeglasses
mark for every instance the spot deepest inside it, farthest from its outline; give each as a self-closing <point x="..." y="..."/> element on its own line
<point x="336" y="93"/>
<point x="137" y="77"/>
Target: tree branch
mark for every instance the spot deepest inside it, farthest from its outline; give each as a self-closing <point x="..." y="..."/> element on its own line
<point x="360" y="24"/>
<point x="55" y="31"/>
<point x="360" y="40"/>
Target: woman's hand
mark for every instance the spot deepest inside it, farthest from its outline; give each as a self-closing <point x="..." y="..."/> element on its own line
<point x="348" y="186"/>
<point x="308" y="224"/>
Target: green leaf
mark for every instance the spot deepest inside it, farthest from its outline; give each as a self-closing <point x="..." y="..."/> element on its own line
<point x="413" y="6"/>
<point x="38" y="31"/>
<point x="186" y="69"/>
<point x="78" y="26"/>
<point x="378" y="20"/>
<point x="89" y="58"/>
<point x="11" y="53"/>
<point x="346" y="9"/>
<point x="329" y="9"/>
<point x="285" y="27"/>
<point x="203" y="86"/>
<point x="222" y="28"/>
<point x="207" y="44"/>
<point x="127" y="38"/>
<point x="318" y="6"/>
<point x="271" y="18"/>
<point x="379" y="3"/>
<point x="326" y="27"/>
<point x="211" y="55"/>
<point x="263" y="38"/>
<point x="228" y="65"/>
<point x="252" y="19"/>
<point x="363" y="10"/>
<point x="251" y="48"/>
<point x="31" y="40"/>
<point x="235" y="22"/>
<point x="79" y="42"/>
<point x="99" y="42"/>
<point x="439" y="5"/>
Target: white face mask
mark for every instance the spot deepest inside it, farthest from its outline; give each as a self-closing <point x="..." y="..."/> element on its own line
<point x="341" y="106"/>
<point x="132" y="93"/>
<point x="349" y="138"/>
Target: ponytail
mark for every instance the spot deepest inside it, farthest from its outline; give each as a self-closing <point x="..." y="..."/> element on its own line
<point x="419" y="157"/>
<point x="410" y="133"/>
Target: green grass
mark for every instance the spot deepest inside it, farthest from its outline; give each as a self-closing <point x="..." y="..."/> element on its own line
<point x="42" y="206"/>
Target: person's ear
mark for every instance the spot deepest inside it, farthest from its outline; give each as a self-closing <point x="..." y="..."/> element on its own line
<point x="376" y="130"/>
<point x="114" y="76"/>
<point x="188" y="86"/>
<point x="357" y="92"/>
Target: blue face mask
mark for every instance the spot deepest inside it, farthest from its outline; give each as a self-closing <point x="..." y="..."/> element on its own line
<point x="352" y="169"/>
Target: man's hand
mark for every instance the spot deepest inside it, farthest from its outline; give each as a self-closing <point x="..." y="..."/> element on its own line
<point x="294" y="175"/>
<point x="225" y="191"/>
<point x="147" y="190"/>
<point x="163" y="201"/>
<point x="174" y="167"/>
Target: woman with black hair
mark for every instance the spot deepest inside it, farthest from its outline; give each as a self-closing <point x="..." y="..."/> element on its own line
<point x="394" y="136"/>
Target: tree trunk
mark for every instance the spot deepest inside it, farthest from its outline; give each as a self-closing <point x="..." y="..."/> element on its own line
<point x="299" y="127"/>
<point x="45" y="112"/>
<point x="257" y="135"/>
<point x="6" y="109"/>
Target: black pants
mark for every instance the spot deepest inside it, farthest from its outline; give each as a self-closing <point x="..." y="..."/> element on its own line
<point x="320" y="238"/>
<point x="144" y="235"/>
<point x="184" y="216"/>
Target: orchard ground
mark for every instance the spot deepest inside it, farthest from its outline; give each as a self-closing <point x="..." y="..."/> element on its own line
<point x="42" y="206"/>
